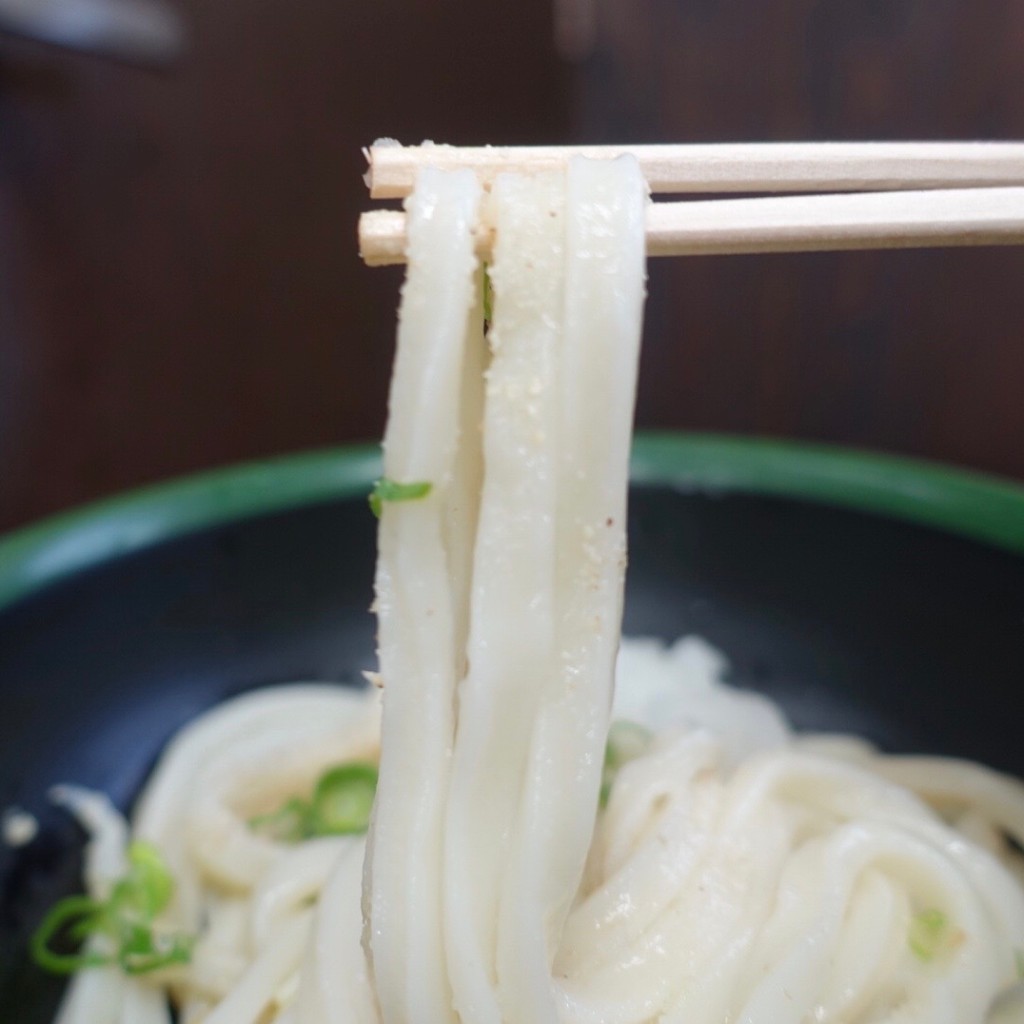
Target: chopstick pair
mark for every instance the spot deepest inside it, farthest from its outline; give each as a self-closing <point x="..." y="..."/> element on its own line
<point x="877" y="195"/>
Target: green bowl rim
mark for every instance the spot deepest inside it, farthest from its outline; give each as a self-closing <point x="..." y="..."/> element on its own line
<point x="970" y="504"/>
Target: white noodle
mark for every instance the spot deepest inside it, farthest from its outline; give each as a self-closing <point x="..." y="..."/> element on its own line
<point x="737" y="873"/>
<point x="595" y="381"/>
<point x="783" y="889"/>
<point x="418" y="617"/>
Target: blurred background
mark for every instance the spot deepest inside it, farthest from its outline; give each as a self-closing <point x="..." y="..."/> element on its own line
<point x="179" y="282"/>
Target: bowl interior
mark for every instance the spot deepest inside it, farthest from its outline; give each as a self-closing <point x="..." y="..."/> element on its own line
<point x="908" y="634"/>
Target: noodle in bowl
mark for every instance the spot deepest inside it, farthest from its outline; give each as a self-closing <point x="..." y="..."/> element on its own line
<point x="788" y="867"/>
<point x="553" y="838"/>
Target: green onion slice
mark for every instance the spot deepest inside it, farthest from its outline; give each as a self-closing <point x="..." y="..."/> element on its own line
<point x="626" y="742"/>
<point x="146" y="889"/>
<point x="142" y="950"/>
<point x="288" y="824"/>
<point x="126" y="919"/>
<point x="929" y="931"/>
<point x="343" y="799"/>
<point x="340" y="806"/>
<point x="487" y="297"/>
<point x="75" y="916"/>
<point x="386" y="489"/>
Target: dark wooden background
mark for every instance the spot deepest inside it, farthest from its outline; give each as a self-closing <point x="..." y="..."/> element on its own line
<point x="179" y="286"/>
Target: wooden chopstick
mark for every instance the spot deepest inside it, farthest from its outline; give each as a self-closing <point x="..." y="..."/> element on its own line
<point x="731" y="167"/>
<point x="878" y="220"/>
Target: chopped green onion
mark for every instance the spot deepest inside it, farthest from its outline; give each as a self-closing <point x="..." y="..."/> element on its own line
<point x="77" y="916"/>
<point x="142" y="950"/>
<point x="288" y="824"/>
<point x="488" y="297"/>
<point x="343" y="799"/>
<point x="391" y="490"/>
<point x="148" y="886"/>
<point x="126" y="918"/>
<point x="626" y="742"/>
<point x="929" y="931"/>
<point x="340" y="806"/>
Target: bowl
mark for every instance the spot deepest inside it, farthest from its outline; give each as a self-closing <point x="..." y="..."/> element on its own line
<point x="866" y="594"/>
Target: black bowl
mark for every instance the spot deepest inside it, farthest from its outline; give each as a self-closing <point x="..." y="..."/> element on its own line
<point x="866" y="594"/>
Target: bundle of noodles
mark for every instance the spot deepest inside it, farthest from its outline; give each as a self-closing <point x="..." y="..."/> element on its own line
<point x="526" y="864"/>
<point x="495" y="713"/>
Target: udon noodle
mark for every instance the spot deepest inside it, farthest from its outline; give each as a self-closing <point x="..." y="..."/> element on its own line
<point x="542" y="850"/>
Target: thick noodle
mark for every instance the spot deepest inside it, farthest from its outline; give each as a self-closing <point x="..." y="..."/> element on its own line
<point x="497" y="857"/>
<point x="714" y="869"/>
<point x="421" y="622"/>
